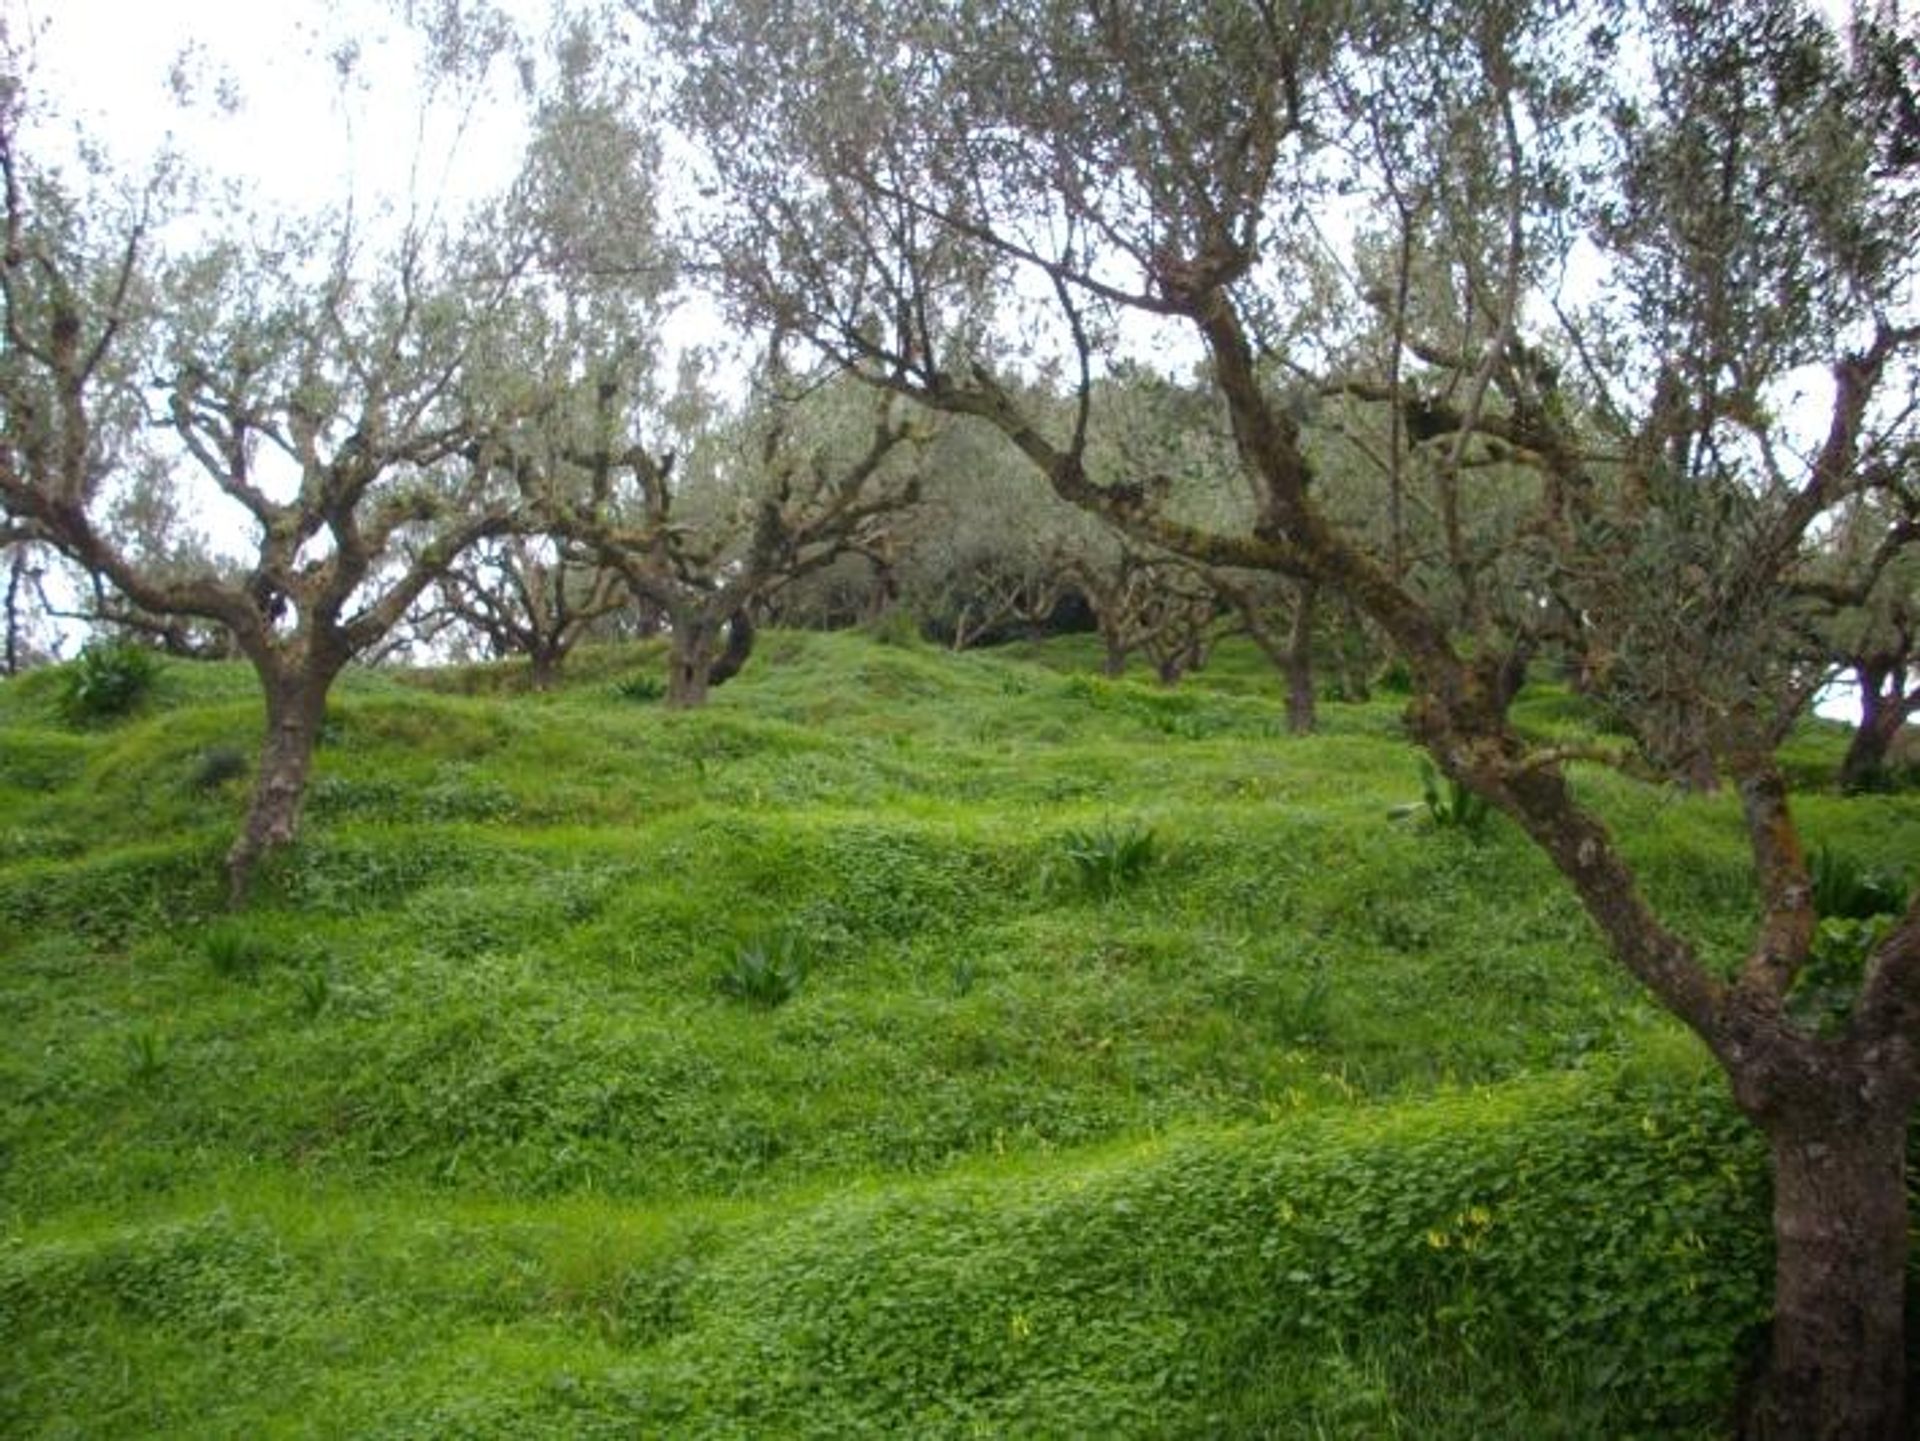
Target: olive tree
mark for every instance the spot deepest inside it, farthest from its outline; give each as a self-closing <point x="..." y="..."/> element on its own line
<point x="325" y="384"/>
<point x="764" y="499"/>
<point x="1867" y="628"/>
<point x="1173" y="167"/>
<point x="522" y="595"/>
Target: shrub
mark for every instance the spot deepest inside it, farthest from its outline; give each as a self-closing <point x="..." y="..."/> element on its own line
<point x="640" y="689"/>
<point x="1395" y="678"/>
<point x="146" y="1052"/>
<point x="234" y="951"/>
<point x="1824" y="991"/>
<point x="766" y="973"/>
<point x="1450" y="805"/>
<point x="1845" y="889"/>
<point x="316" y="989"/>
<point x="1108" y="860"/>
<point x="107" y="681"/>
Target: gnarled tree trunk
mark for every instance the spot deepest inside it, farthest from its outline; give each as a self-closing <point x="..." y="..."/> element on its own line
<point x="296" y="709"/>
<point x="690" y="653"/>
<point x="1836" y="1365"/>
<point x="544" y="659"/>
<point x="696" y="660"/>
<point x="16" y="578"/>
<point x="1881" y="717"/>
<point x="741" y="635"/>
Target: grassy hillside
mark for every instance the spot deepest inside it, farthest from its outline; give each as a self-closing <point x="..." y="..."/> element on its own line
<point x="1143" y="1072"/>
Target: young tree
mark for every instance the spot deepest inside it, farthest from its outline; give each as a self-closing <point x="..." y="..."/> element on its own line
<point x="1166" y="163"/>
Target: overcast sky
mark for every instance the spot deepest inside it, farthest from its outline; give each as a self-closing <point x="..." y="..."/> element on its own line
<point x="294" y="131"/>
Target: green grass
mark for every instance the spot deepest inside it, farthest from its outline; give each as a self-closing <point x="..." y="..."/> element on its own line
<point x="1313" y="1122"/>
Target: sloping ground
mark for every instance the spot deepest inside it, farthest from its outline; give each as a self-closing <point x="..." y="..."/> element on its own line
<point x="1322" y="1123"/>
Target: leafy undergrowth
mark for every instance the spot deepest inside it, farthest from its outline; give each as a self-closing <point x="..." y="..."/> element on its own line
<point x="906" y="1044"/>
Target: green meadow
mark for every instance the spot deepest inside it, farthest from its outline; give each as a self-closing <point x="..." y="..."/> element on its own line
<point x="906" y="1044"/>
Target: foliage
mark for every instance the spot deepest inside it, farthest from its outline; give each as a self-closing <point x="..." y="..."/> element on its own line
<point x="1107" y="859"/>
<point x="146" y="1052"/>
<point x="643" y="688"/>
<point x="767" y="972"/>
<point x="107" y="681"/>
<point x="316" y="990"/>
<point x="1845" y="888"/>
<point x="1824" y="992"/>
<point x="234" y="951"/>
<point x="1211" y="1283"/>
<point x="1450" y="804"/>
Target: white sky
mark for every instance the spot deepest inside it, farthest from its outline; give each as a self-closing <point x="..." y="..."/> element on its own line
<point x="295" y="133"/>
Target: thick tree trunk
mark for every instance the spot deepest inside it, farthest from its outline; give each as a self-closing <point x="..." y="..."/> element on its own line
<point x="1301" y="716"/>
<point x="886" y="591"/>
<point x="296" y="707"/>
<point x="1113" y="647"/>
<point x="696" y="660"/>
<point x="1513" y="672"/>
<point x="1170" y="665"/>
<point x="690" y="662"/>
<point x="741" y="635"/>
<point x="544" y="662"/>
<point x="1866" y="757"/>
<point x="1836" y="1367"/>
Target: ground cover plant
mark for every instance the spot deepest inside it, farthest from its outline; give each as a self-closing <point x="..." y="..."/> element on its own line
<point x="906" y="1043"/>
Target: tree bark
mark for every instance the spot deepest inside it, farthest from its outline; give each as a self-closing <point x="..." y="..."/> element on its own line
<point x="1880" y="722"/>
<point x="1301" y="716"/>
<point x="296" y="708"/>
<point x="1513" y="671"/>
<point x="696" y="659"/>
<point x="1836" y="1368"/>
<point x="16" y="575"/>
<point x="544" y="662"/>
<point x="1697" y="772"/>
<point x="690" y="661"/>
<point x="741" y="635"/>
